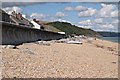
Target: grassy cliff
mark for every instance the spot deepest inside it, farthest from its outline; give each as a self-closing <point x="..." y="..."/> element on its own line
<point x="72" y="29"/>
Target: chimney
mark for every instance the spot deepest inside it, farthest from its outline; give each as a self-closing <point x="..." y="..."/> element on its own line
<point x="19" y="16"/>
<point x="34" y="20"/>
<point x="14" y="14"/>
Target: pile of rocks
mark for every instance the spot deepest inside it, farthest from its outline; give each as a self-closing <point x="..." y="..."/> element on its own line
<point x="72" y="40"/>
<point x="8" y="46"/>
<point x="26" y="51"/>
<point x="45" y="43"/>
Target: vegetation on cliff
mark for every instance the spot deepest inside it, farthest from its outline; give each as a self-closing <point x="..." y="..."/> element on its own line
<point x="70" y="29"/>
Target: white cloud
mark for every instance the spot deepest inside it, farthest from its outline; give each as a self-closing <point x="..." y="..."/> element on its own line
<point x="85" y="22"/>
<point x="9" y="10"/>
<point x="114" y="13"/>
<point x="107" y="26"/>
<point x="87" y="13"/>
<point x="98" y="20"/>
<point x="38" y="16"/>
<point x="87" y="27"/>
<point x="60" y="14"/>
<point x="61" y="20"/>
<point x="82" y="26"/>
<point x="80" y="8"/>
<point x="77" y="8"/>
<point x="68" y="8"/>
<point x="100" y="24"/>
<point x="115" y="21"/>
<point x="108" y="10"/>
<point x="106" y="21"/>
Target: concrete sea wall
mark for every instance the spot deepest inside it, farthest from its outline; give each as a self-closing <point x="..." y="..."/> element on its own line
<point x="14" y="34"/>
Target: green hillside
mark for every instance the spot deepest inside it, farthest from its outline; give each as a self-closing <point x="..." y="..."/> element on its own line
<point x="72" y="29"/>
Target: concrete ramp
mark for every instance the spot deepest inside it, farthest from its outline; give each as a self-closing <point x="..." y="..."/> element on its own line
<point x="15" y="34"/>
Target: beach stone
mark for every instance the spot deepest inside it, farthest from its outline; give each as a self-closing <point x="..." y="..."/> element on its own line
<point x="3" y="46"/>
<point x="45" y="43"/>
<point x="114" y="62"/>
<point x="27" y="51"/>
<point x="9" y="46"/>
<point x="99" y="46"/>
<point x="110" y="49"/>
<point x="60" y="61"/>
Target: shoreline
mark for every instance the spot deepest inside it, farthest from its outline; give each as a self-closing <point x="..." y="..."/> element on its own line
<point x="108" y="45"/>
<point x="110" y="40"/>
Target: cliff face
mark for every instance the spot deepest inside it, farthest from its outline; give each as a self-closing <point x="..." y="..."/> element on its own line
<point x="109" y="34"/>
<point x="72" y="29"/>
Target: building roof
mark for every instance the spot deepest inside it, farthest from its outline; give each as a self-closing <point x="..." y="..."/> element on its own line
<point x="20" y="21"/>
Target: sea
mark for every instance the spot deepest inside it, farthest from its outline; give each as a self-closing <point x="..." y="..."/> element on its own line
<point x="112" y="39"/>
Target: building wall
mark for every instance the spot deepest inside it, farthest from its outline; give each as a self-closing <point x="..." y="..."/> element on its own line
<point x="37" y="26"/>
<point x="14" y="34"/>
<point x="4" y="16"/>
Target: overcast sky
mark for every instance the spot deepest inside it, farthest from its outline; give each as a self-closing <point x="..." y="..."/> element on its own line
<point x="97" y="16"/>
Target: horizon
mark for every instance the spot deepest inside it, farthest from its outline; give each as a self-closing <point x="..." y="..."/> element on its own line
<point x="96" y="16"/>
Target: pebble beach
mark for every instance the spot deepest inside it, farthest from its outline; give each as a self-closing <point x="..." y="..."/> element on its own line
<point x="92" y="59"/>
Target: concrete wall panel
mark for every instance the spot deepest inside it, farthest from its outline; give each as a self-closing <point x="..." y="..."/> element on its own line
<point x="14" y="34"/>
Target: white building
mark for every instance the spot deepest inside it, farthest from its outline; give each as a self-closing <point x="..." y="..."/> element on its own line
<point x="36" y="25"/>
<point x="61" y="32"/>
